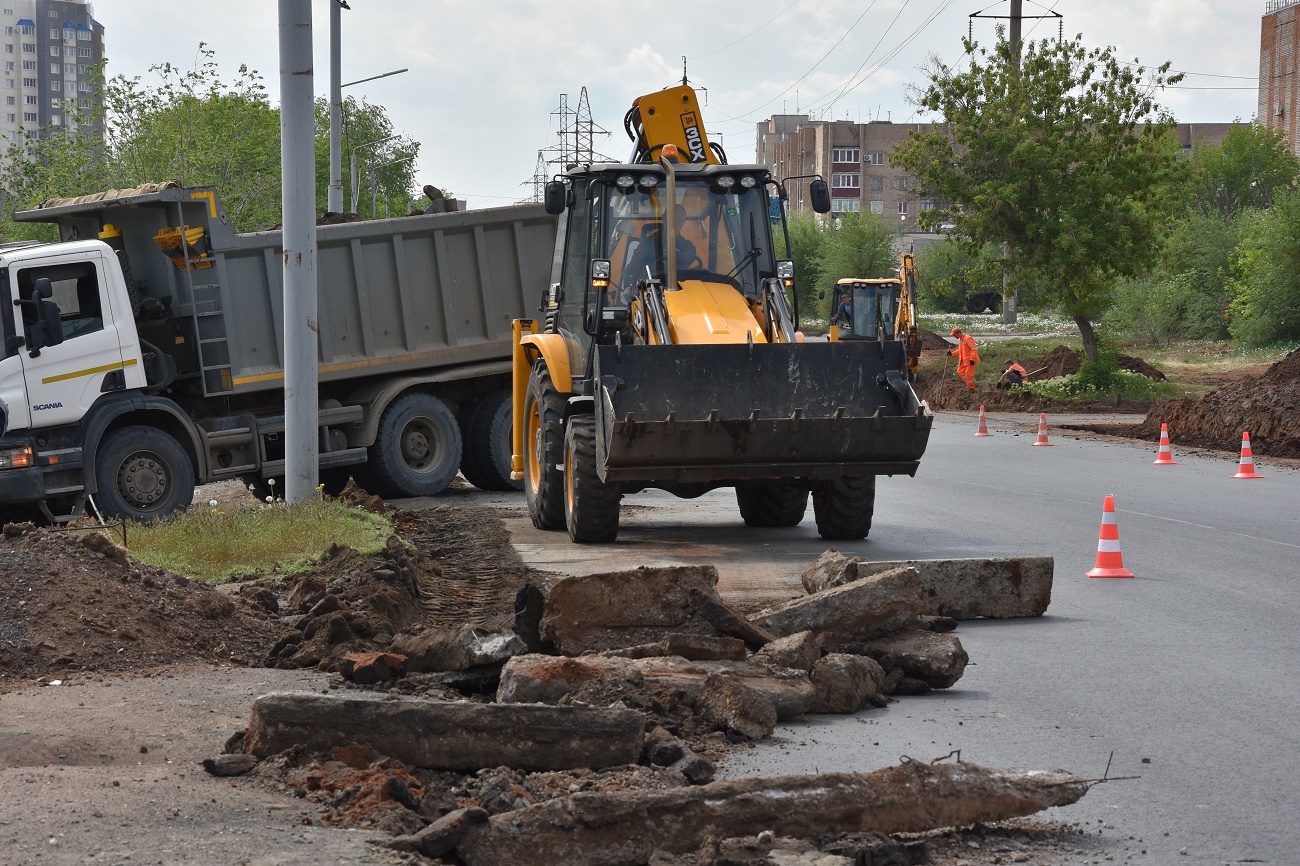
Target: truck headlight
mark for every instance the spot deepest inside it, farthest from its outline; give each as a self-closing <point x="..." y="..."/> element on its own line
<point x="15" y="456"/>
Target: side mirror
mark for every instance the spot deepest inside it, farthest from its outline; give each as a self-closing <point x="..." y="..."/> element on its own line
<point x="556" y="197"/>
<point x="821" y="196"/>
<point x="50" y="323"/>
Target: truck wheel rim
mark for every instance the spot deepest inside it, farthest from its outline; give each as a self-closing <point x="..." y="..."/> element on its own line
<point x="142" y="480"/>
<point x="419" y="445"/>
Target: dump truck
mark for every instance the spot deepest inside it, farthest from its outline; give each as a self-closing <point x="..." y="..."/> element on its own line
<point x="880" y="309"/>
<point x="143" y="351"/>
<point x="667" y="353"/>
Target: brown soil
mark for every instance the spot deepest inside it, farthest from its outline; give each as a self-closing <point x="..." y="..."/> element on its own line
<point x="1267" y="406"/>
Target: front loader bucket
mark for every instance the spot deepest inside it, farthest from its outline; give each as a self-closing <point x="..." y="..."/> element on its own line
<point x="792" y="411"/>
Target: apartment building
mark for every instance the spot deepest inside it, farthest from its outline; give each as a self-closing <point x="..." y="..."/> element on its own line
<point x="48" y="49"/>
<point x="854" y="160"/>
<point x="1279" y="84"/>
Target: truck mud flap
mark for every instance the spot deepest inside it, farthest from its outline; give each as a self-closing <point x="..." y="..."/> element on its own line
<point x="790" y="411"/>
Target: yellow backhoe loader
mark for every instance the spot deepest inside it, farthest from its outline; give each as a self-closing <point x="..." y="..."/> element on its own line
<point x="666" y="353"/>
<point x="879" y="310"/>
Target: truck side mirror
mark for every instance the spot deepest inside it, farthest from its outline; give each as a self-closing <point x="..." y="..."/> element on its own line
<point x="821" y="196"/>
<point x="555" y="197"/>
<point x="50" y="322"/>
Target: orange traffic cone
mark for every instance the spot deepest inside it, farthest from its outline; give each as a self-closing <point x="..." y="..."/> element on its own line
<point x="1042" y="429"/>
<point x="1164" y="457"/>
<point x="984" y="426"/>
<point x="1246" y="468"/>
<point x="1110" y="563"/>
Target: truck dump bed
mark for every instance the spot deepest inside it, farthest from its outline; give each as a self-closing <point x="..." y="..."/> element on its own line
<point x="393" y="295"/>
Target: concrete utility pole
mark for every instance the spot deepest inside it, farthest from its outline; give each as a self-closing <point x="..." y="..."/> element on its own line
<point x="298" y="202"/>
<point x="1010" y="300"/>
<point x="336" y="108"/>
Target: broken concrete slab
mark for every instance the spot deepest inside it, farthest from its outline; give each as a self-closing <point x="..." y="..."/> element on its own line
<point x="441" y="835"/>
<point x="730" y="704"/>
<point x="797" y="651"/>
<point x="532" y="679"/>
<point x="597" y="612"/>
<point x="457" y="649"/>
<point x="870" y="606"/>
<point x="547" y="679"/>
<point x="229" y="765"/>
<point x="460" y="736"/>
<point x="727" y="621"/>
<point x="695" y="647"/>
<point x="790" y="691"/>
<point x="937" y="659"/>
<point x="959" y="588"/>
<point x="845" y="683"/>
<point x="626" y="827"/>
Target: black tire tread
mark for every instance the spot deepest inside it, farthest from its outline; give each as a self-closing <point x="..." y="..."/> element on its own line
<point x="485" y="441"/>
<point x="844" y="507"/>
<point x="383" y="469"/>
<point x="593" y="519"/>
<point x="123" y="442"/>
<point x="781" y="506"/>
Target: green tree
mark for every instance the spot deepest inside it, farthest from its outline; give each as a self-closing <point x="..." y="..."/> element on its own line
<point x="1063" y="155"/>
<point x="391" y="164"/>
<point x="1250" y="165"/>
<point x="946" y="274"/>
<point x="1265" y="287"/>
<point x="806" y="242"/>
<point x="855" y="245"/>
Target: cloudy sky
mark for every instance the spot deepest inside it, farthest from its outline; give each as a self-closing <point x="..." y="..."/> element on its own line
<point x="486" y="75"/>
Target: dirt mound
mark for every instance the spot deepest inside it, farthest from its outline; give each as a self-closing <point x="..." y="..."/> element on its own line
<point x="1267" y="407"/>
<point x="1142" y="368"/>
<point x="931" y="340"/>
<point x="1061" y="361"/>
<point x="74" y="602"/>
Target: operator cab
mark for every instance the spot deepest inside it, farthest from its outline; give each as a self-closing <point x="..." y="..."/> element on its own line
<point x="865" y="309"/>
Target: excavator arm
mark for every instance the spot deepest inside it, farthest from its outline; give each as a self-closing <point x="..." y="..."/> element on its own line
<point x="905" y="324"/>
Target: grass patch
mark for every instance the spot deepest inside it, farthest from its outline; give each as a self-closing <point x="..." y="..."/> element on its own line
<point x="216" y="543"/>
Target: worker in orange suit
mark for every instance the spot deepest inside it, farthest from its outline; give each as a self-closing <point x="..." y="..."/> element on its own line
<point x="967" y="357"/>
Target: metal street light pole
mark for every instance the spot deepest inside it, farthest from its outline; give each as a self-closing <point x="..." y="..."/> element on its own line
<point x="298" y="201"/>
<point x="355" y="195"/>
<point x="335" y="200"/>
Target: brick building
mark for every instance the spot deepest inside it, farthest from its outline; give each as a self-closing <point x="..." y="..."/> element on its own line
<point x="1279" y="84"/>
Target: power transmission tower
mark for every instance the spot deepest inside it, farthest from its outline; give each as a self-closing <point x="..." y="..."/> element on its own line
<point x="575" y="144"/>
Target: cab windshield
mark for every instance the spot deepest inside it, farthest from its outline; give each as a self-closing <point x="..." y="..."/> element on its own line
<point x="723" y="235"/>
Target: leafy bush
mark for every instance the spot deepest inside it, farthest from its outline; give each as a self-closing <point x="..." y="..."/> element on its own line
<point x="1078" y="388"/>
<point x="1265" y="289"/>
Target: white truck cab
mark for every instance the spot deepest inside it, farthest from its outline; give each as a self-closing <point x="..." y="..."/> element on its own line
<point x="52" y="377"/>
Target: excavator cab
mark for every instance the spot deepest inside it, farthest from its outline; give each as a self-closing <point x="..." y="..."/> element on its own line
<point x="865" y="309"/>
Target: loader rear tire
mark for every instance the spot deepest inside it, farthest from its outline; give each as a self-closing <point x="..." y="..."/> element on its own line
<point x="772" y="506"/>
<point x="844" y="507"/>
<point x="544" y="450"/>
<point x="590" y="505"/>
<point x="485" y="442"/>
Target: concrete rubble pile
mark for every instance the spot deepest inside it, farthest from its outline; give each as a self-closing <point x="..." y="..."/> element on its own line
<point x="652" y="668"/>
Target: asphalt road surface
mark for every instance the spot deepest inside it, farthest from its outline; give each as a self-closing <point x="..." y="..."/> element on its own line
<point x="1192" y="665"/>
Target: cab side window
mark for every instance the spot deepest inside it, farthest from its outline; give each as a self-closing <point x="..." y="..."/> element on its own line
<point x="76" y="291"/>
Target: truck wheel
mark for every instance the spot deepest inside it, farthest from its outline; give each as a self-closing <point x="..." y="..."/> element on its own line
<point x="772" y="506"/>
<point x="142" y="474"/>
<point x="544" y="450"/>
<point x="485" y="442"/>
<point x="844" y="508"/>
<point x="417" y="451"/>
<point x="590" y="505"/>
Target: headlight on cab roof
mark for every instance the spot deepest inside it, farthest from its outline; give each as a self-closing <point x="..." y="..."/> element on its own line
<point x="624" y="181"/>
<point x="726" y="181"/>
<point x="747" y="182"/>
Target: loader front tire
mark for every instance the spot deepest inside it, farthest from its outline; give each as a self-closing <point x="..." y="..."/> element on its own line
<point x="772" y="506"/>
<point x="590" y="505"/>
<point x="844" y="508"/>
<point x="544" y="450"/>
